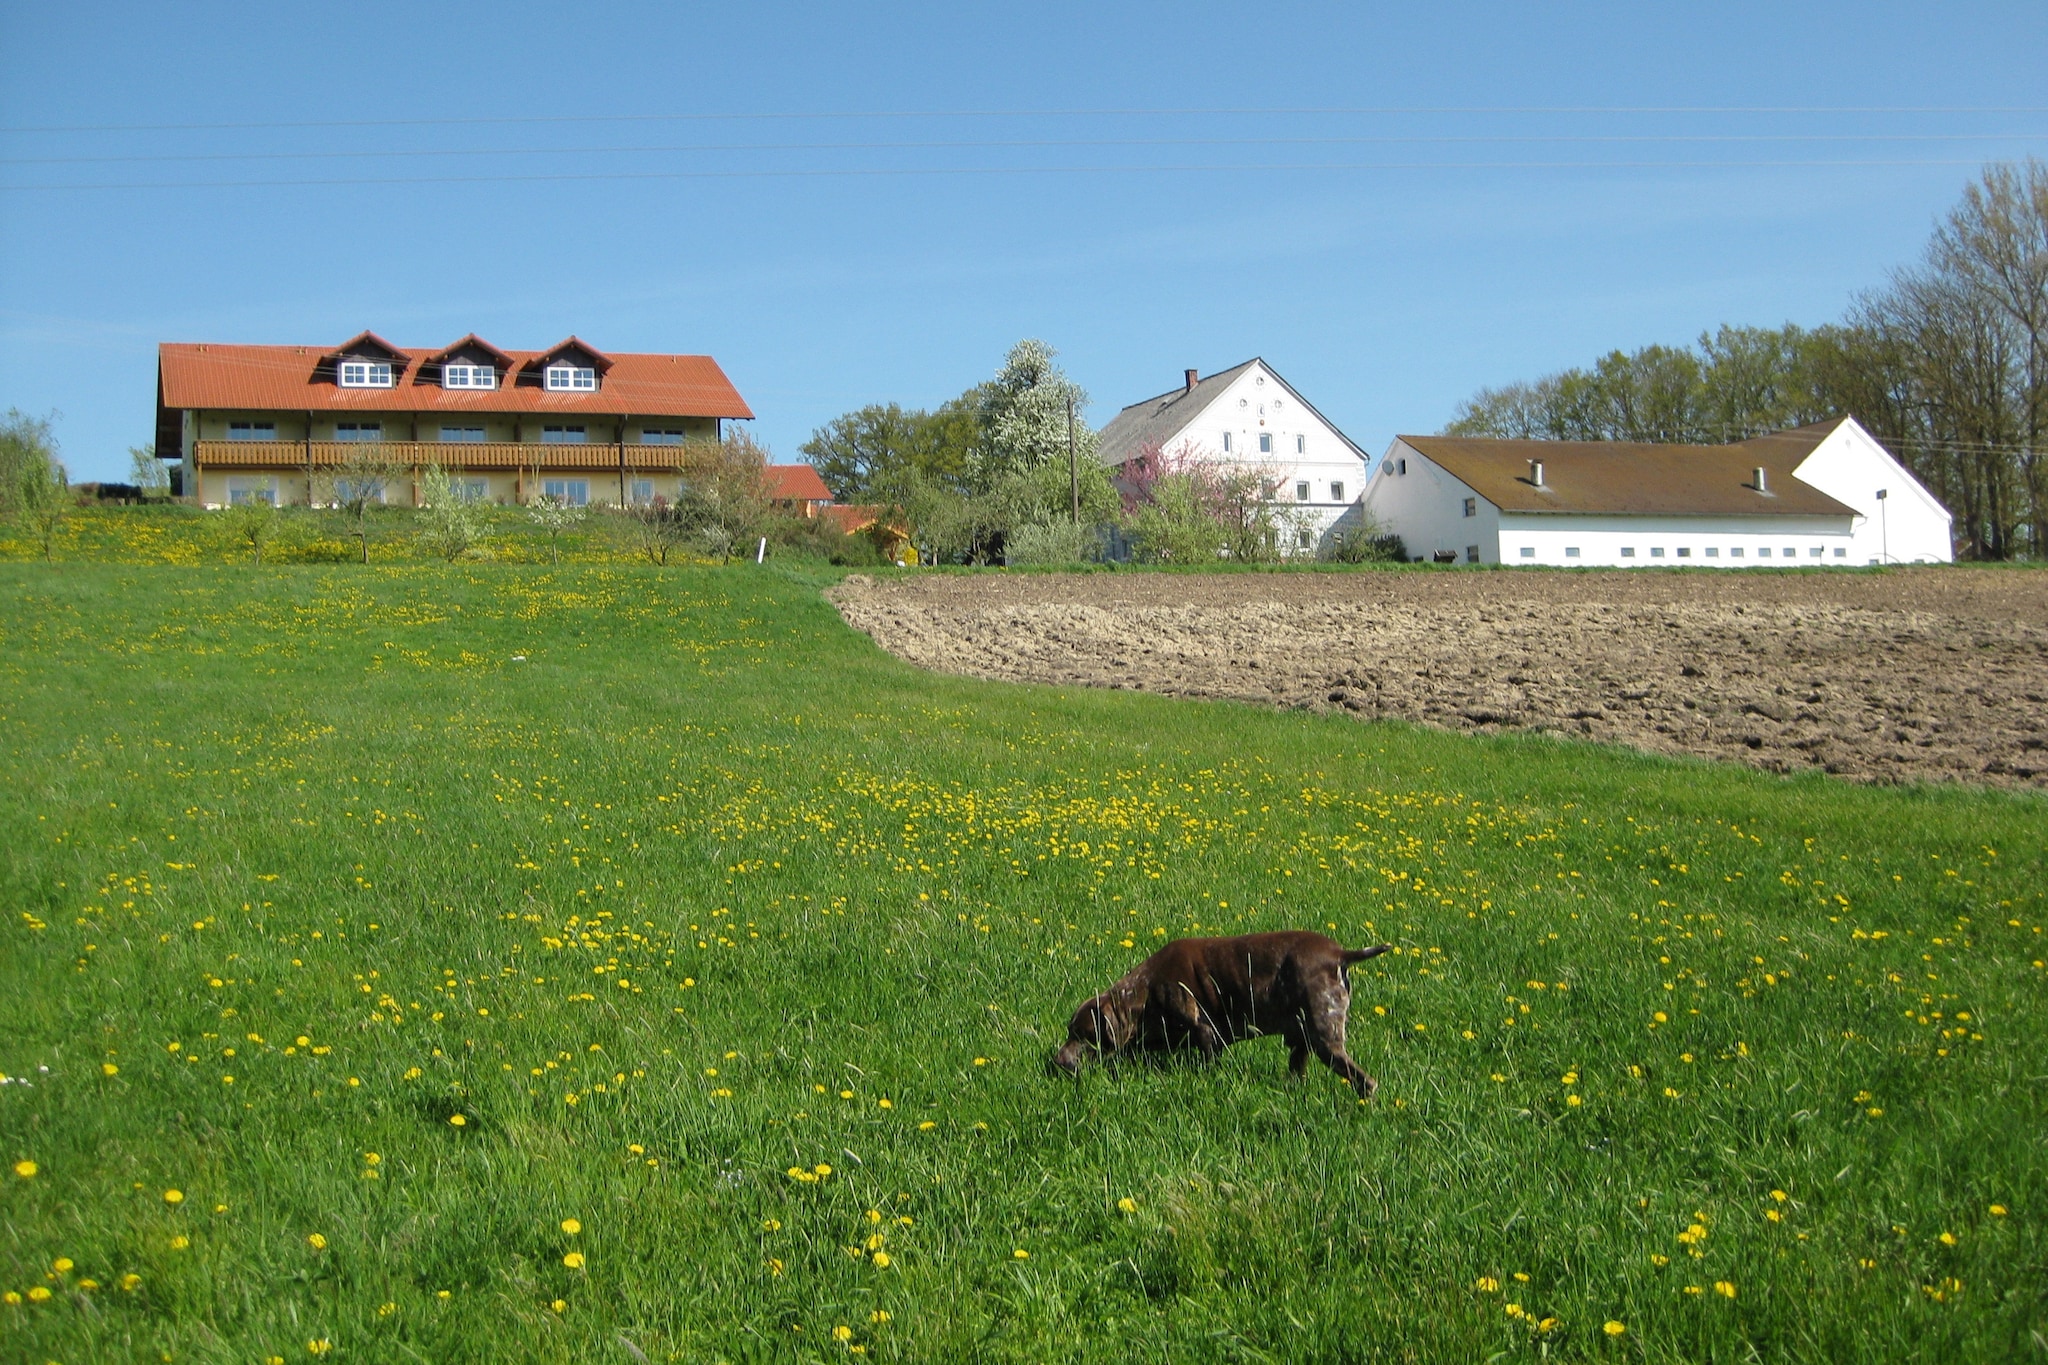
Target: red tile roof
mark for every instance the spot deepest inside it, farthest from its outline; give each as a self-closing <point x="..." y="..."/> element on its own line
<point x="291" y="379"/>
<point x="796" y="483"/>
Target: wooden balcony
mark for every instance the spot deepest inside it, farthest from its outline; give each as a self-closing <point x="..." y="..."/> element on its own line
<point x="468" y="455"/>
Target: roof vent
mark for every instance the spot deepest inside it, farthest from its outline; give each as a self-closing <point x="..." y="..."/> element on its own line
<point x="1536" y="472"/>
<point x="1757" y="480"/>
<point x="1193" y="375"/>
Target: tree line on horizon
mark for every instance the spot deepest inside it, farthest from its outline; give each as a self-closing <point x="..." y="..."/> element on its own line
<point x="1946" y="363"/>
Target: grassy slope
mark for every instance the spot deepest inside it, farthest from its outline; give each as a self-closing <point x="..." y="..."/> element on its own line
<point x="326" y="804"/>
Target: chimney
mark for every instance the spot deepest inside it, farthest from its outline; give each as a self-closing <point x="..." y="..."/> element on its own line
<point x="1536" y="472"/>
<point x="1193" y="375"/>
<point x="1757" y="480"/>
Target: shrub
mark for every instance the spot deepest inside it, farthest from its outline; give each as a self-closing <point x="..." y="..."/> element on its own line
<point x="1053" y="542"/>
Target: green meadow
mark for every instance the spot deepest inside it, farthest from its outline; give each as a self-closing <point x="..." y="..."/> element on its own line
<point x="498" y="962"/>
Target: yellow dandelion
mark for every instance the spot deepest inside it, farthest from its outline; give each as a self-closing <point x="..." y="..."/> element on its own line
<point x="26" y="1169"/>
<point x="1021" y="1254"/>
<point x="1486" y="1284"/>
<point x="559" y="1305"/>
<point x="574" y="1260"/>
<point x="771" y="1225"/>
<point x="882" y="1260"/>
<point x="180" y="1242"/>
<point x="371" y="1158"/>
<point x="317" y="1242"/>
<point x="1725" y="1289"/>
<point x="1572" y="1101"/>
<point x="320" y="1347"/>
<point x="109" y="1069"/>
<point x="926" y="1126"/>
<point x="842" y="1333"/>
<point x="879" y="1315"/>
<point x="38" y="1295"/>
<point x="131" y="1282"/>
<point x="1947" y="1239"/>
<point x="174" y="1196"/>
<point x="571" y="1226"/>
<point x="1998" y="1210"/>
<point x="458" y="1120"/>
<point x="821" y="1169"/>
<point x="1780" y="1196"/>
<point x="1127" y="1205"/>
<point x="1613" y="1328"/>
<point x="62" y="1265"/>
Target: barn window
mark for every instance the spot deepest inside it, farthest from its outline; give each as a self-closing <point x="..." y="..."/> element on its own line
<point x="1841" y="552"/>
<point x="1656" y="552"/>
<point x="1763" y="552"/>
<point x="1713" y="552"/>
<point x="1816" y="552"/>
<point x="1226" y="443"/>
<point x="1301" y="490"/>
<point x="246" y="490"/>
<point x="1571" y="552"/>
<point x="1790" y="553"/>
<point x="1685" y="552"/>
<point x="1401" y="465"/>
<point x="1300" y="443"/>
<point x="662" y="436"/>
<point x="1735" y="552"/>
<point x="1628" y="552"/>
<point x="1471" y="507"/>
<point x="1528" y="552"/>
<point x="1471" y="554"/>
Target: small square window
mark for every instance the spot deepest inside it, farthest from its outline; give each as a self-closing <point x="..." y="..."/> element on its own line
<point x="1301" y="445"/>
<point x="358" y="431"/>
<point x="1336" y="490"/>
<point x="1571" y="552"/>
<point x="1471" y="554"/>
<point x="1471" y="507"/>
<point x="1735" y="552"/>
<point x="1656" y="552"/>
<point x="1301" y="490"/>
<point x="1713" y="552"/>
<point x="1763" y="552"/>
<point x="1528" y="552"/>
<point x="365" y="374"/>
<point x="252" y="431"/>
<point x="1685" y="552"/>
<point x="463" y="435"/>
<point x="1816" y="552"/>
<point x="1628" y="552"/>
<point x="1841" y="552"/>
<point x="574" y="492"/>
<point x="1304" y="538"/>
<point x="1265" y="443"/>
<point x="571" y="379"/>
<point x="563" y="436"/>
<point x="1789" y="553"/>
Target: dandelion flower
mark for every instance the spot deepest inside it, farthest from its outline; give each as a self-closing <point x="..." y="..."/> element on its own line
<point x="1573" y="1101"/>
<point x="574" y="1260"/>
<point x="320" y="1347"/>
<point x="174" y="1196"/>
<point x="109" y="1069"/>
<point x="1127" y="1205"/>
<point x="571" y="1226"/>
<point x="771" y="1225"/>
<point x="881" y="1260"/>
<point x="458" y="1120"/>
<point x="926" y="1126"/>
<point x="1486" y="1284"/>
<point x="1779" y="1195"/>
<point x="1948" y="1239"/>
<point x="180" y="1242"/>
<point x="1021" y="1254"/>
<point x="842" y="1333"/>
<point x="38" y="1295"/>
<point x="1724" y="1289"/>
<point x="879" y="1315"/>
<point x="1613" y="1328"/>
<point x="1998" y="1210"/>
<point x="26" y="1169"/>
<point x="317" y="1242"/>
<point x="559" y="1305"/>
<point x="131" y="1282"/>
<point x="371" y="1158"/>
<point x="822" y="1169"/>
<point x="1656" y="1259"/>
<point x="62" y="1265"/>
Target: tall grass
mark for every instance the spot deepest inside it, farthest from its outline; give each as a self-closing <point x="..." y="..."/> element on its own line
<point x="737" y="947"/>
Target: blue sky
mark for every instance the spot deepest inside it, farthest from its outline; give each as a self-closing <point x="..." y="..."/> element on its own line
<point x="1120" y="180"/>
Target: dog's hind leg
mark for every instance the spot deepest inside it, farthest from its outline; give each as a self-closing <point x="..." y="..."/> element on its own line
<point x="1324" y="1028"/>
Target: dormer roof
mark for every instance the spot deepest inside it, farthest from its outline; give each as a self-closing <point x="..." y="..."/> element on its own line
<point x="473" y="342"/>
<point x="571" y="349"/>
<point x="368" y="344"/>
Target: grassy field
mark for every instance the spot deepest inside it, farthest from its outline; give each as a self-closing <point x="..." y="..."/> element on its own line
<point x="494" y="963"/>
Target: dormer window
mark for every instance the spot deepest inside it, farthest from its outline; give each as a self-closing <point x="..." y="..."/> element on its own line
<point x="365" y="374"/>
<point x="570" y="379"/>
<point x="468" y="377"/>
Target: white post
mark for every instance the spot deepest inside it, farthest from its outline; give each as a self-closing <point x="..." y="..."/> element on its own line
<point x="761" y="551"/>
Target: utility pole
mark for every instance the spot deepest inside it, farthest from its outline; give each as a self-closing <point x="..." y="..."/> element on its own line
<point x="1884" y="525"/>
<point x="1073" y="470"/>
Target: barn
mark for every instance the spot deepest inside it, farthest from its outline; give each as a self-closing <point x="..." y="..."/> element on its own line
<point x="1825" y="494"/>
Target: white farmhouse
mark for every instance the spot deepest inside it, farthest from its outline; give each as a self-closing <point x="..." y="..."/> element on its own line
<point x="1825" y="494"/>
<point x="1249" y="416"/>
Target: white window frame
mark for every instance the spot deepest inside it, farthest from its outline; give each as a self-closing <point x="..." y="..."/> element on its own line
<point x="248" y="490"/>
<point x="1571" y="552"/>
<point x="1528" y="552"/>
<point x="1265" y="443"/>
<point x="1301" y="490"/>
<point x="466" y="376"/>
<point x="642" y="494"/>
<point x="1304" y="539"/>
<point x="569" y="379"/>
<point x="252" y="431"/>
<point x="574" y="492"/>
<point x="1628" y="552"/>
<point x="363" y="374"/>
<point x="1226" y="443"/>
<point x="565" y="436"/>
<point x="359" y="432"/>
<point x="1300" y="444"/>
<point x="1471" y="507"/>
<point x="1336" y="490"/>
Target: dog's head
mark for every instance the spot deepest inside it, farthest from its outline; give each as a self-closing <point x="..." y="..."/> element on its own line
<point x="1096" y="1027"/>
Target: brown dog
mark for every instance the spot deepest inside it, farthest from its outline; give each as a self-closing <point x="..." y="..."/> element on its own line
<point x="1214" y="991"/>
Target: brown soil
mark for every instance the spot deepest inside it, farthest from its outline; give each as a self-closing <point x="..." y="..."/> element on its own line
<point x="1900" y="676"/>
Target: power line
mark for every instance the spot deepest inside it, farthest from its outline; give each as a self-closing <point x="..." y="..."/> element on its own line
<point x="928" y="171"/>
<point x="1032" y="143"/>
<point x="1232" y="112"/>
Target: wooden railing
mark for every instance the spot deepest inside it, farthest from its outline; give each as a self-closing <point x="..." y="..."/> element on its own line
<point x="283" y="455"/>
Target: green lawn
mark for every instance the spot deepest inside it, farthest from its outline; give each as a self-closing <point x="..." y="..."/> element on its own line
<point x="394" y="917"/>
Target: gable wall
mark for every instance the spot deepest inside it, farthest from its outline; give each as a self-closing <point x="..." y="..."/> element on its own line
<point x="1248" y="407"/>
<point x="1907" y="527"/>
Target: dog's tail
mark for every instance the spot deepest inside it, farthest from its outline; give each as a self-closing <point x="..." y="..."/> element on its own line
<point x="1352" y="955"/>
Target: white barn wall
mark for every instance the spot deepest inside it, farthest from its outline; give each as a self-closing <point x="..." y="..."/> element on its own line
<point x="1908" y="527"/>
<point x="1689" y="542"/>
<point x="1426" y="507"/>
<point x="1249" y="406"/>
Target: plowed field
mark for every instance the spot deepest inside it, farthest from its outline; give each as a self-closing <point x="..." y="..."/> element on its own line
<point x="1900" y="676"/>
